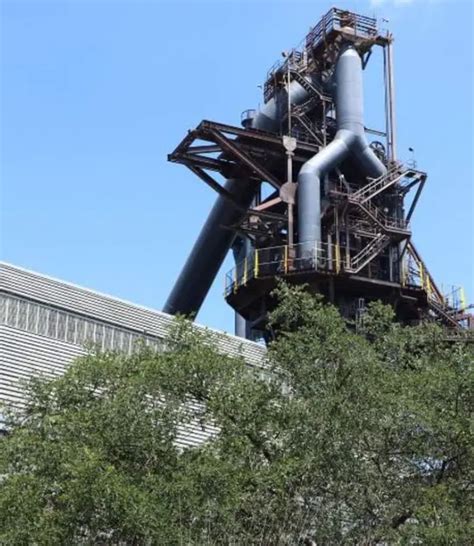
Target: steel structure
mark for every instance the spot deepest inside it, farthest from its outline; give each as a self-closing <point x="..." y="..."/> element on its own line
<point x="336" y="217"/>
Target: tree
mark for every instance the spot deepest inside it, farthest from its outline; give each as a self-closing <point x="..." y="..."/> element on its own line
<point x="341" y="437"/>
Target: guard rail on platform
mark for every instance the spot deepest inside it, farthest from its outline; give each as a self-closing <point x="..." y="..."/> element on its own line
<point x="283" y="260"/>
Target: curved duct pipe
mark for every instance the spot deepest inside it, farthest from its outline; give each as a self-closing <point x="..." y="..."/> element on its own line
<point x="270" y="116"/>
<point x="350" y="139"/>
<point x="215" y="238"/>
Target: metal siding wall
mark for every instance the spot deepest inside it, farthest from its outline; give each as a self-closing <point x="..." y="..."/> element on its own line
<point x="106" y="308"/>
<point x="24" y="355"/>
<point x="28" y="336"/>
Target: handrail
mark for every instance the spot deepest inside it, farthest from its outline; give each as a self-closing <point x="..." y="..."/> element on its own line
<point x="287" y="260"/>
<point x="426" y="280"/>
<point x="417" y="274"/>
<point x="334" y="20"/>
<point x="383" y="219"/>
<point x="334" y="258"/>
<point x="360" y="260"/>
<point x="311" y="87"/>
<point x="284" y="260"/>
<point x="381" y="181"/>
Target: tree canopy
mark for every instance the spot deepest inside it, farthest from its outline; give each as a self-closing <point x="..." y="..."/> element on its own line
<point x="343" y="436"/>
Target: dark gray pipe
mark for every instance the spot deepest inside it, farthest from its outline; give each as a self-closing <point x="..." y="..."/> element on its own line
<point x="241" y="247"/>
<point x="349" y="139"/>
<point x="208" y="251"/>
<point x="270" y="116"/>
<point x="215" y="239"/>
<point x="241" y="326"/>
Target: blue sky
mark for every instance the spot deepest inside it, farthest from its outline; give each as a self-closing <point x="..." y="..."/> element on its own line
<point x="95" y="94"/>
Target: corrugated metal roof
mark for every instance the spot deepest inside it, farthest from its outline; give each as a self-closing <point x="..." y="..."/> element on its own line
<point x="67" y="296"/>
<point x="29" y="347"/>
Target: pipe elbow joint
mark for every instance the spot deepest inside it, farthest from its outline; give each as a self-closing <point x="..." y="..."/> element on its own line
<point x="328" y="157"/>
<point x="310" y="168"/>
<point x="349" y="138"/>
<point x="367" y="158"/>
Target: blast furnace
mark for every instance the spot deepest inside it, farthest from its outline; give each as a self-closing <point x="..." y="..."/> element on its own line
<point x="311" y="194"/>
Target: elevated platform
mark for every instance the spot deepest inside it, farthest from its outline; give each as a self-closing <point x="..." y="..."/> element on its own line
<point x="236" y="152"/>
<point x="327" y="270"/>
<point x="319" y="49"/>
<point x="364" y="250"/>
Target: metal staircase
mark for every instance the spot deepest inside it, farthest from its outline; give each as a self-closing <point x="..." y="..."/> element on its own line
<point x="395" y="174"/>
<point x="443" y="311"/>
<point x="437" y="303"/>
<point x="386" y="223"/>
<point x="368" y="253"/>
<point x="311" y="87"/>
<point x="316" y="98"/>
<point x="379" y="184"/>
<point x="308" y="126"/>
<point x="380" y="228"/>
<point x="426" y="278"/>
<point x="362" y="199"/>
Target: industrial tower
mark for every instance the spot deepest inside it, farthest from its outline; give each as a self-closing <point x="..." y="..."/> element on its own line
<point x="337" y="217"/>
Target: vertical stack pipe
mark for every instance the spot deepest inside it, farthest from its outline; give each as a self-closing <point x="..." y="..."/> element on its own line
<point x="241" y="248"/>
<point x="349" y="140"/>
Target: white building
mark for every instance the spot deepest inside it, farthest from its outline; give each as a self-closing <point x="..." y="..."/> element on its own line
<point x="45" y="322"/>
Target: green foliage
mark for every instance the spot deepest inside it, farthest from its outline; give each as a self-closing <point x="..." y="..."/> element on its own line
<point x="342" y="437"/>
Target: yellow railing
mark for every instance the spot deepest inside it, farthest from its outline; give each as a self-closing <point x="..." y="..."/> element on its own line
<point x="284" y="260"/>
<point x="414" y="273"/>
<point x="462" y="298"/>
<point x="337" y="253"/>
<point x="325" y="257"/>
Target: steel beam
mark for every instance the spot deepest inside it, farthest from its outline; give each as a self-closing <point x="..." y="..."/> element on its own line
<point x="232" y="147"/>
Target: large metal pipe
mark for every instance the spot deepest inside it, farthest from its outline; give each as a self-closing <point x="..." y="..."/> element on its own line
<point x="209" y="251"/>
<point x="349" y="139"/>
<point x="216" y="237"/>
<point x="391" y="99"/>
<point x="241" y="247"/>
<point x="269" y="117"/>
